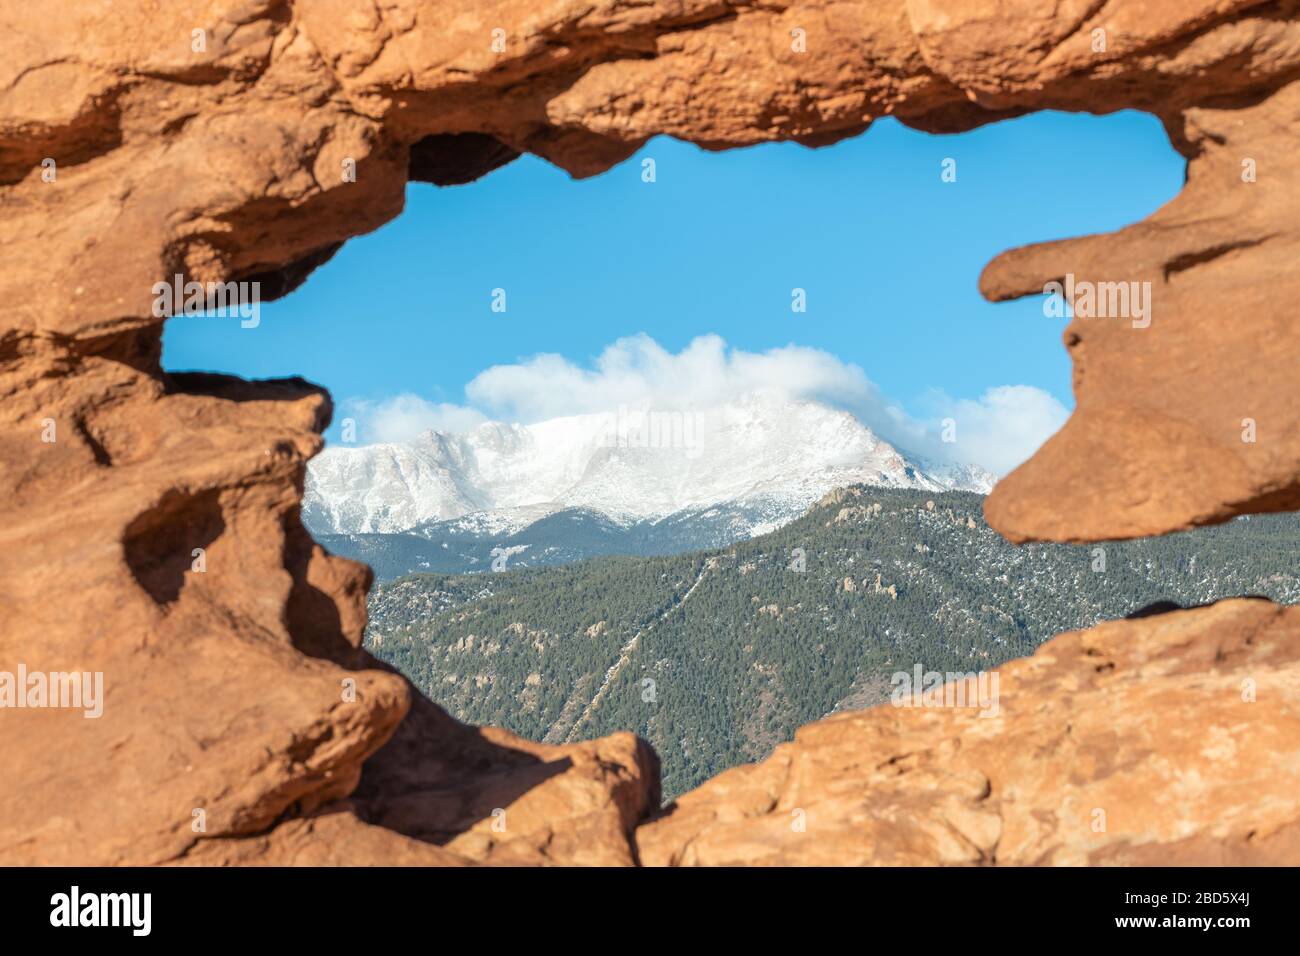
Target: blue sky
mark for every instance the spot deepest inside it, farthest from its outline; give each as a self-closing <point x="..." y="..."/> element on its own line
<point x="888" y="253"/>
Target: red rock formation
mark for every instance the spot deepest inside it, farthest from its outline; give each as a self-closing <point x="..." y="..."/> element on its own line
<point x="217" y="141"/>
<point x="1169" y="739"/>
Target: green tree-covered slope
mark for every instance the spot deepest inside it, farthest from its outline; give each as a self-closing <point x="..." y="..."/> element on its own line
<point x="716" y="656"/>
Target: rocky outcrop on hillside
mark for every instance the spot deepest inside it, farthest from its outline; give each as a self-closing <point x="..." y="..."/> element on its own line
<point x="151" y="526"/>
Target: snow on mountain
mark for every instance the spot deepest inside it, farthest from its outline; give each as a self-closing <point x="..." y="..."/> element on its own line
<point x="764" y="454"/>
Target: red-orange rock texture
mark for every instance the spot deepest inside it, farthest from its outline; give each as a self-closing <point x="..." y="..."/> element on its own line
<point x="1168" y="739"/>
<point x="133" y="148"/>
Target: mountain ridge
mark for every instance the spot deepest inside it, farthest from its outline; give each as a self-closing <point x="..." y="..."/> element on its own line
<point x="764" y="456"/>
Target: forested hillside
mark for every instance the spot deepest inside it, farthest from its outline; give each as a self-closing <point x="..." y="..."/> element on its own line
<point x="716" y="656"/>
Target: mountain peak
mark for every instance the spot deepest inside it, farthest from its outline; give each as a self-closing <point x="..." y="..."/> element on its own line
<point x="761" y="451"/>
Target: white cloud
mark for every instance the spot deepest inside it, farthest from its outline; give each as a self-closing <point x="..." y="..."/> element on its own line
<point x="405" y="416"/>
<point x="638" y="371"/>
<point x="998" y="430"/>
<point x="1002" y="427"/>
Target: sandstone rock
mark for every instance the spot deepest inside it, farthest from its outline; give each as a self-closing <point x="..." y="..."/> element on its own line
<point x="236" y="695"/>
<point x="490" y="796"/>
<point x="217" y="696"/>
<point x="1169" y="739"/>
<point x="247" y="141"/>
<point x="1195" y="417"/>
<point x="335" y="837"/>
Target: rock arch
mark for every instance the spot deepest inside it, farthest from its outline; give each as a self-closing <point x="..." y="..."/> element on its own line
<point x="247" y="142"/>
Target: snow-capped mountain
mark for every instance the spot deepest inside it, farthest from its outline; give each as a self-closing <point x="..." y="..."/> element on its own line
<point x="759" y="462"/>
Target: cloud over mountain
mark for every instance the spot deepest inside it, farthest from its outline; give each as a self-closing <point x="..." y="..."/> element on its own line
<point x="996" y="431"/>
